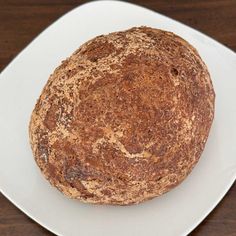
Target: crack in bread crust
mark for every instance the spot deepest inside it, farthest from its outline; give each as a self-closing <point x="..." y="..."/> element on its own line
<point x="125" y="118"/>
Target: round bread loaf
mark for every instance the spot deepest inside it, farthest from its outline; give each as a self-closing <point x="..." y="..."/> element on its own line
<point x="125" y="118"/>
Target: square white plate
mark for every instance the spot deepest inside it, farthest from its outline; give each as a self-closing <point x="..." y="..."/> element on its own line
<point x="175" y="213"/>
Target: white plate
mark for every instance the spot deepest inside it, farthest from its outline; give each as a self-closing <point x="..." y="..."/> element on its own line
<point x="175" y="213"/>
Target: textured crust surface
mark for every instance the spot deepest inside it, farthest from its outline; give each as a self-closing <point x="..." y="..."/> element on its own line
<point x="125" y="118"/>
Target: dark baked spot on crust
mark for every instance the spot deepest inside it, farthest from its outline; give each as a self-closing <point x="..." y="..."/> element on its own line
<point x="78" y="171"/>
<point x="51" y="169"/>
<point x="107" y="192"/>
<point x="159" y="151"/>
<point x="97" y="50"/>
<point x="72" y="72"/>
<point x="43" y="150"/>
<point x="174" y="71"/>
<point x="50" y="120"/>
<point x="133" y="146"/>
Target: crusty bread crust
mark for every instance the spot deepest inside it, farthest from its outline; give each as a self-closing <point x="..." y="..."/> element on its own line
<point x="125" y="118"/>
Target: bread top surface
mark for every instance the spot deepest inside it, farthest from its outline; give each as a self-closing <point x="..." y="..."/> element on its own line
<point x="125" y="118"/>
